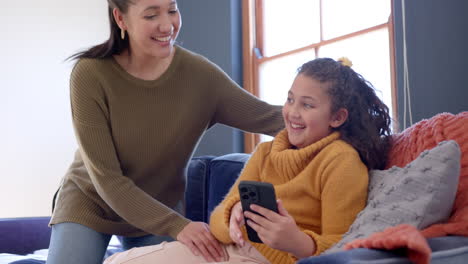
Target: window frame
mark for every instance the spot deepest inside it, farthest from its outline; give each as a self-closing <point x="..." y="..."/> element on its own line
<point x="253" y="44"/>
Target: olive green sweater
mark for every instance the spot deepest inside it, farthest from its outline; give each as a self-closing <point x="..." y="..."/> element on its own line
<point x="136" y="137"/>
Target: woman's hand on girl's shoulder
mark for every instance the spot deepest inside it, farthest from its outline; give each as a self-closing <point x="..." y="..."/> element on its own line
<point x="197" y="236"/>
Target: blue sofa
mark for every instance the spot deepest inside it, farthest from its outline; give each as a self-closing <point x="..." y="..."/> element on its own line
<point x="208" y="180"/>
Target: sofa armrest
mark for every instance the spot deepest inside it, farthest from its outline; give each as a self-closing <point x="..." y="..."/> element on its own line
<point x="209" y="179"/>
<point x="196" y="191"/>
<point x="224" y="171"/>
<point x="24" y="235"/>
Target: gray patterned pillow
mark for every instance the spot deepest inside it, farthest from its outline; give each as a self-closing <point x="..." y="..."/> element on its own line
<point x="420" y="194"/>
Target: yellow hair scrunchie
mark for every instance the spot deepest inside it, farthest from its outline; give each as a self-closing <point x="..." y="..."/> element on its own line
<point x="345" y="61"/>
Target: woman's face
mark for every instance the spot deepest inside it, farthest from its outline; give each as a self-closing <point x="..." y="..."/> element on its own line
<point x="152" y="26"/>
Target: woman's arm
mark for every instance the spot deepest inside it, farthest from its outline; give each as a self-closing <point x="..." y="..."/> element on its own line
<point x="240" y="109"/>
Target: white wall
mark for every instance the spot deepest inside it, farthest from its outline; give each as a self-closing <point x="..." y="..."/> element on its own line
<point x="36" y="137"/>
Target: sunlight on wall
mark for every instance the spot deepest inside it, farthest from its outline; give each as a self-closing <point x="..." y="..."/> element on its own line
<point x="36" y="138"/>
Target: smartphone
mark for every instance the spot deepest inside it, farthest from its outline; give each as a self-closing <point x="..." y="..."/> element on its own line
<point x="259" y="193"/>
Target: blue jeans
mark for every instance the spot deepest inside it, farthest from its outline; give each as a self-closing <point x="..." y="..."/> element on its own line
<point x="73" y="243"/>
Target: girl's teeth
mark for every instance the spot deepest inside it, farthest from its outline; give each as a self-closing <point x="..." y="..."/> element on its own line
<point x="296" y="126"/>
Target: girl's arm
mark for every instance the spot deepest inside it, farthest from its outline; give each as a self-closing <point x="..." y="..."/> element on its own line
<point x="344" y="193"/>
<point x="220" y="217"/>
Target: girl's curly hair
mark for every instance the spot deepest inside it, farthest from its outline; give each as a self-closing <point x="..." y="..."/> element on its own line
<point x="367" y="128"/>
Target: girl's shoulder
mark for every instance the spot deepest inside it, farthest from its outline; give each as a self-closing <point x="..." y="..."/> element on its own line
<point x="340" y="158"/>
<point x="340" y="148"/>
<point x="261" y="151"/>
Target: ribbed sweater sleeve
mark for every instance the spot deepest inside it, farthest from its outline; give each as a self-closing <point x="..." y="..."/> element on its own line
<point x="219" y="219"/>
<point x="90" y="115"/>
<point x="236" y="107"/>
<point x="344" y="193"/>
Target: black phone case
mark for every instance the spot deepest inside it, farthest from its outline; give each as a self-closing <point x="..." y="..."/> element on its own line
<point x="260" y="193"/>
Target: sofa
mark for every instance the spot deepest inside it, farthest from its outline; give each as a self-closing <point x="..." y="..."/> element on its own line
<point x="215" y="175"/>
<point x="209" y="179"/>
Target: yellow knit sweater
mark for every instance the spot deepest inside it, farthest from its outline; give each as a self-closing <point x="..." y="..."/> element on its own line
<point x="323" y="186"/>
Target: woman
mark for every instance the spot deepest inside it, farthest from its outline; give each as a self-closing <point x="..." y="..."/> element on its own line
<point x="140" y="104"/>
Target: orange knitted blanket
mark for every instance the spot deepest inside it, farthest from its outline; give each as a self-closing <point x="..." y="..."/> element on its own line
<point x="407" y="145"/>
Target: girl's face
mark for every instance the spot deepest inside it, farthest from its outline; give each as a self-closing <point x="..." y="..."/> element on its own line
<point x="153" y="26"/>
<point x="307" y="112"/>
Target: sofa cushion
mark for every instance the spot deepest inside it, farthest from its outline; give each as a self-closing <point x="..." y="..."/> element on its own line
<point x="448" y="249"/>
<point x="420" y="194"/>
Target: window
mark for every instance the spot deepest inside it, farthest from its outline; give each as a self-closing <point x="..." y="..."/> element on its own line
<point x="281" y="35"/>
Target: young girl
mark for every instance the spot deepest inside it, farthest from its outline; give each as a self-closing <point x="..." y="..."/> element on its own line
<point x="336" y="130"/>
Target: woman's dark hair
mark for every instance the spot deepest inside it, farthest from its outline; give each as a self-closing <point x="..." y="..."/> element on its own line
<point x="115" y="44"/>
<point x="367" y="128"/>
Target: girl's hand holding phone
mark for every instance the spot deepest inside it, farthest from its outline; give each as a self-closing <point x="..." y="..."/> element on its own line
<point x="273" y="228"/>
<point x="235" y="223"/>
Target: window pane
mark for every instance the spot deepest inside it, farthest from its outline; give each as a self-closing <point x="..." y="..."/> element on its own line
<point x="342" y="17"/>
<point x="277" y="76"/>
<point x="290" y="25"/>
<point x="370" y="56"/>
